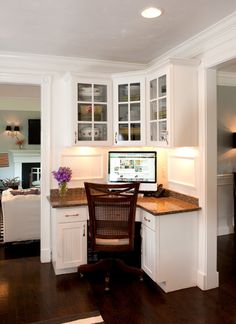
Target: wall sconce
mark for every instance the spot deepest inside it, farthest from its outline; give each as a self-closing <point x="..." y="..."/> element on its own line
<point x="16" y="129"/>
<point x="9" y="130"/>
<point x="12" y="131"/>
<point x="234" y="140"/>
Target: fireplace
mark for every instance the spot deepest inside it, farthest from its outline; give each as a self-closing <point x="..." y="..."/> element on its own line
<point x="27" y="157"/>
<point x="26" y="170"/>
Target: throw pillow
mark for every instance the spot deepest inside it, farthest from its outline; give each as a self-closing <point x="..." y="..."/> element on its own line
<point x="25" y="192"/>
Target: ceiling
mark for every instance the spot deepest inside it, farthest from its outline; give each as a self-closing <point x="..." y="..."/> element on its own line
<point x="104" y="29"/>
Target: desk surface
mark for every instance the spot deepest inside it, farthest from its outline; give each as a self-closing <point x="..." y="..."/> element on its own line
<point x="155" y="206"/>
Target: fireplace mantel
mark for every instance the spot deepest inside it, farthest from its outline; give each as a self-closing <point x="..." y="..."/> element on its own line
<point x="23" y="156"/>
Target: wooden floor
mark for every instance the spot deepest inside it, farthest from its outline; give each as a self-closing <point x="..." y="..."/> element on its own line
<point x="30" y="292"/>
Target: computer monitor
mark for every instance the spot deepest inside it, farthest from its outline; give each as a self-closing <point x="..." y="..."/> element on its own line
<point x="138" y="166"/>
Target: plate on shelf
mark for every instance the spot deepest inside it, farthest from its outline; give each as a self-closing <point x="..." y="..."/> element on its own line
<point x="86" y="132"/>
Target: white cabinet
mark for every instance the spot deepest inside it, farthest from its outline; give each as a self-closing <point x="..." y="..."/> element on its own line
<point x="169" y="249"/>
<point x="148" y="249"/>
<point x="172" y="102"/>
<point x="92" y="110"/>
<point x="69" y="238"/>
<point x="129" y="110"/>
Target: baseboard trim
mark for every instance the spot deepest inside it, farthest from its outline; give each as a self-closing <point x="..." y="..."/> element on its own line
<point x="205" y="282"/>
<point x="45" y="255"/>
<point x="225" y="230"/>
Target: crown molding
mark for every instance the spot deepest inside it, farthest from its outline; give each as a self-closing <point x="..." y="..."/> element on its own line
<point x="196" y="46"/>
<point x="226" y="79"/>
<point x="64" y="64"/>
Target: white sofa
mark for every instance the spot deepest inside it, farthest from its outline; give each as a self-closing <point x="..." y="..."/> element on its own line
<point x="21" y="217"/>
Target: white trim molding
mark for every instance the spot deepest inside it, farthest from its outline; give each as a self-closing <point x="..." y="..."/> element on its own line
<point x="226" y="79"/>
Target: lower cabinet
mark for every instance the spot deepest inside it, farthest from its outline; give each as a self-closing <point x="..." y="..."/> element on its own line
<point x="169" y="249"/>
<point x="169" y="245"/>
<point x="69" y="238"/>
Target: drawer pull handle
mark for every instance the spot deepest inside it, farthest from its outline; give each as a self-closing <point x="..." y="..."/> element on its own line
<point x="146" y="219"/>
<point x="84" y="230"/>
<point x="72" y="215"/>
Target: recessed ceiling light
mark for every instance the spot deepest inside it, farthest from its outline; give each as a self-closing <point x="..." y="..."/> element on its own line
<point x="151" y="12"/>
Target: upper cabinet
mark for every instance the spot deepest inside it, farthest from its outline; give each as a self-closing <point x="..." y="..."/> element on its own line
<point x="92" y="111"/>
<point x="172" y="106"/>
<point x="129" y="110"/>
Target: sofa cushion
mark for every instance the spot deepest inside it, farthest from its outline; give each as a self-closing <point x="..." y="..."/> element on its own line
<point x="25" y="192"/>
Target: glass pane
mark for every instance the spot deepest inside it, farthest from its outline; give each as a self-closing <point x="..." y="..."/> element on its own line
<point x="100" y="132"/>
<point x="84" y="132"/>
<point x="84" y="92"/>
<point x="153" y="89"/>
<point x="123" y="92"/>
<point x="123" y="132"/>
<point x="135" y="111"/>
<point x="162" y="86"/>
<point x="135" y="92"/>
<point x="162" y="131"/>
<point x="100" y="93"/>
<point x="123" y="112"/>
<point x="153" y="131"/>
<point x="162" y="108"/>
<point x="135" y="132"/>
<point x="153" y="110"/>
<point x="100" y="112"/>
<point x="84" y="112"/>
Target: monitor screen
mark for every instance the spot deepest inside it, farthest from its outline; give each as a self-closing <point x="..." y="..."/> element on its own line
<point x="133" y="166"/>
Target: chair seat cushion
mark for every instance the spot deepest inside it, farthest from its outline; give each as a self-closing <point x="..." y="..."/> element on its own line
<point x="100" y="241"/>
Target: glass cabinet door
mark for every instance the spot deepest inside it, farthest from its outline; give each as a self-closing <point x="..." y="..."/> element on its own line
<point x="158" y="110"/>
<point x="92" y="119"/>
<point x="129" y="112"/>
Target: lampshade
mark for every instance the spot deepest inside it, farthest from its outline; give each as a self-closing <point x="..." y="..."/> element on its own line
<point x="234" y="140"/>
<point x="8" y="128"/>
<point x="4" y="160"/>
<point x="16" y="128"/>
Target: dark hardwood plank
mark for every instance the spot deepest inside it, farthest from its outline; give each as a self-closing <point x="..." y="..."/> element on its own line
<point x="29" y="292"/>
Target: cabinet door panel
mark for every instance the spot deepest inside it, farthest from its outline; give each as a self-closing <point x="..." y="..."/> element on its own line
<point x="129" y="110"/>
<point x="149" y="251"/>
<point x="92" y="113"/>
<point x="72" y="244"/>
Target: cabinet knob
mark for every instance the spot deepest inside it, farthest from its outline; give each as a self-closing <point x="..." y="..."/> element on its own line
<point x="146" y="219"/>
<point x="73" y="215"/>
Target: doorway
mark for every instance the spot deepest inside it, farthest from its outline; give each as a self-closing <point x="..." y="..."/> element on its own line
<point x="44" y="82"/>
<point x="19" y="103"/>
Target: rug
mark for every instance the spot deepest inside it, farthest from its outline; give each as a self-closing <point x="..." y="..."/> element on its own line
<point x="84" y="318"/>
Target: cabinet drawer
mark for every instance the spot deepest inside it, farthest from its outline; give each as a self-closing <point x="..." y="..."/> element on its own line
<point x="72" y="214"/>
<point x="149" y="220"/>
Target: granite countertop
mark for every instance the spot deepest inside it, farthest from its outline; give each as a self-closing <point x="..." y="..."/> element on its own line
<point x="171" y="204"/>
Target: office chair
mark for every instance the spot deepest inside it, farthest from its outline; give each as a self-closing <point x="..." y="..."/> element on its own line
<point x="111" y="226"/>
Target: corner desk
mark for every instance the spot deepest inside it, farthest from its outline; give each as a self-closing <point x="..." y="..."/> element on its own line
<point x="169" y="233"/>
